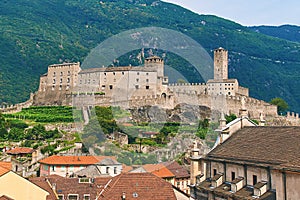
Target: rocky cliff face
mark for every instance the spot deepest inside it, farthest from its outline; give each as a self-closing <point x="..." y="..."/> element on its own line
<point x="183" y="113"/>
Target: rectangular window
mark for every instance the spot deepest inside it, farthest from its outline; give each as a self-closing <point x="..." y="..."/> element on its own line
<point x="73" y="196"/>
<point x="46" y="167"/>
<point x="215" y="172"/>
<point x="136" y="87"/>
<point x="107" y="170"/>
<point x="147" y="87"/>
<point x="84" y="180"/>
<point x="115" y="170"/>
<point x="86" y="197"/>
<point x="232" y="176"/>
<point x="62" y="168"/>
<point x="254" y="179"/>
<point x="111" y="87"/>
<point x="60" y="196"/>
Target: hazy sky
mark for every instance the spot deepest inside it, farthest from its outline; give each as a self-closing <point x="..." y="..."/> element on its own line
<point x="248" y="12"/>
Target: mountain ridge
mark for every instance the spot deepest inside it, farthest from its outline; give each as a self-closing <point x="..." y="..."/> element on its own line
<point x="35" y="34"/>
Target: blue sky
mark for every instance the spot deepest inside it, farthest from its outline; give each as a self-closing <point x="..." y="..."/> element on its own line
<point x="248" y="13"/>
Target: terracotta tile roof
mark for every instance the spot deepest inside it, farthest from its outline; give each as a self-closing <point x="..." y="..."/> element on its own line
<point x="73" y="160"/>
<point x="65" y="186"/>
<point x="278" y="147"/>
<point x="20" y="150"/>
<point x="158" y="170"/>
<point x="44" y="184"/>
<point x="7" y="165"/>
<point x="3" y="170"/>
<point x="150" y="133"/>
<point x="178" y="170"/>
<point x="138" y="186"/>
<point x="126" y="168"/>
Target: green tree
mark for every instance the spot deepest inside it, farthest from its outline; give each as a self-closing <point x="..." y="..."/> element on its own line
<point x="202" y="129"/>
<point x="230" y="118"/>
<point x="15" y="134"/>
<point x="281" y="104"/>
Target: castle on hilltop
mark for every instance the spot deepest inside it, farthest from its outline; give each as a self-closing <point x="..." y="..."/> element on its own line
<point x="127" y="87"/>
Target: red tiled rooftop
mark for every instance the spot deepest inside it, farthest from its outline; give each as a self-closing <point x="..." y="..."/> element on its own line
<point x="65" y="186"/>
<point x="3" y="170"/>
<point x="144" y="186"/>
<point x="158" y="170"/>
<point x="150" y="133"/>
<point x="126" y="168"/>
<point x="6" y="165"/>
<point x="73" y="160"/>
<point x="178" y="170"/>
<point x="20" y="150"/>
<point x="44" y="184"/>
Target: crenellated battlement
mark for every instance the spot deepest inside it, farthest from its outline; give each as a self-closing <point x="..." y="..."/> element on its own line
<point x="10" y="109"/>
<point x="185" y="84"/>
<point x="292" y="116"/>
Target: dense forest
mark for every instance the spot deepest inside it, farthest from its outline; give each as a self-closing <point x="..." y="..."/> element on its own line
<point x="35" y="34"/>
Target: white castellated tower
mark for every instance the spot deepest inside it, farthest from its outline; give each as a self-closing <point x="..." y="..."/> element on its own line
<point x="220" y="64"/>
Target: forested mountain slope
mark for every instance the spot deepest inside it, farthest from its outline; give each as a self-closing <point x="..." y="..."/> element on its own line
<point x="36" y="33"/>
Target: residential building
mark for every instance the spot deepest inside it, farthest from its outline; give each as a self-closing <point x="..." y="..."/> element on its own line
<point x="254" y="162"/>
<point x="13" y="186"/>
<point x="21" y="158"/>
<point x="182" y="176"/>
<point x="68" y="165"/>
<point x="72" y="188"/>
<point x="126" y="186"/>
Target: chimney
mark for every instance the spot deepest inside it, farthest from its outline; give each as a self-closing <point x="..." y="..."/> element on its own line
<point x="243" y="110"/>
<point x="260" y="189"/>
<point x="222" y="121"/>
<point x="54" y="186"/>
<point x="123" y="197"/>
<point x="262" y="121"/>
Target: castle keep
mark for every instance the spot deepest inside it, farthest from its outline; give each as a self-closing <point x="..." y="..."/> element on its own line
<point x="68" y="84"/>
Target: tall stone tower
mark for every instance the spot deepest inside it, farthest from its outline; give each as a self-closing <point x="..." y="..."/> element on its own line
<point x="220" y="64"/>
<point x="156" y="63"/>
